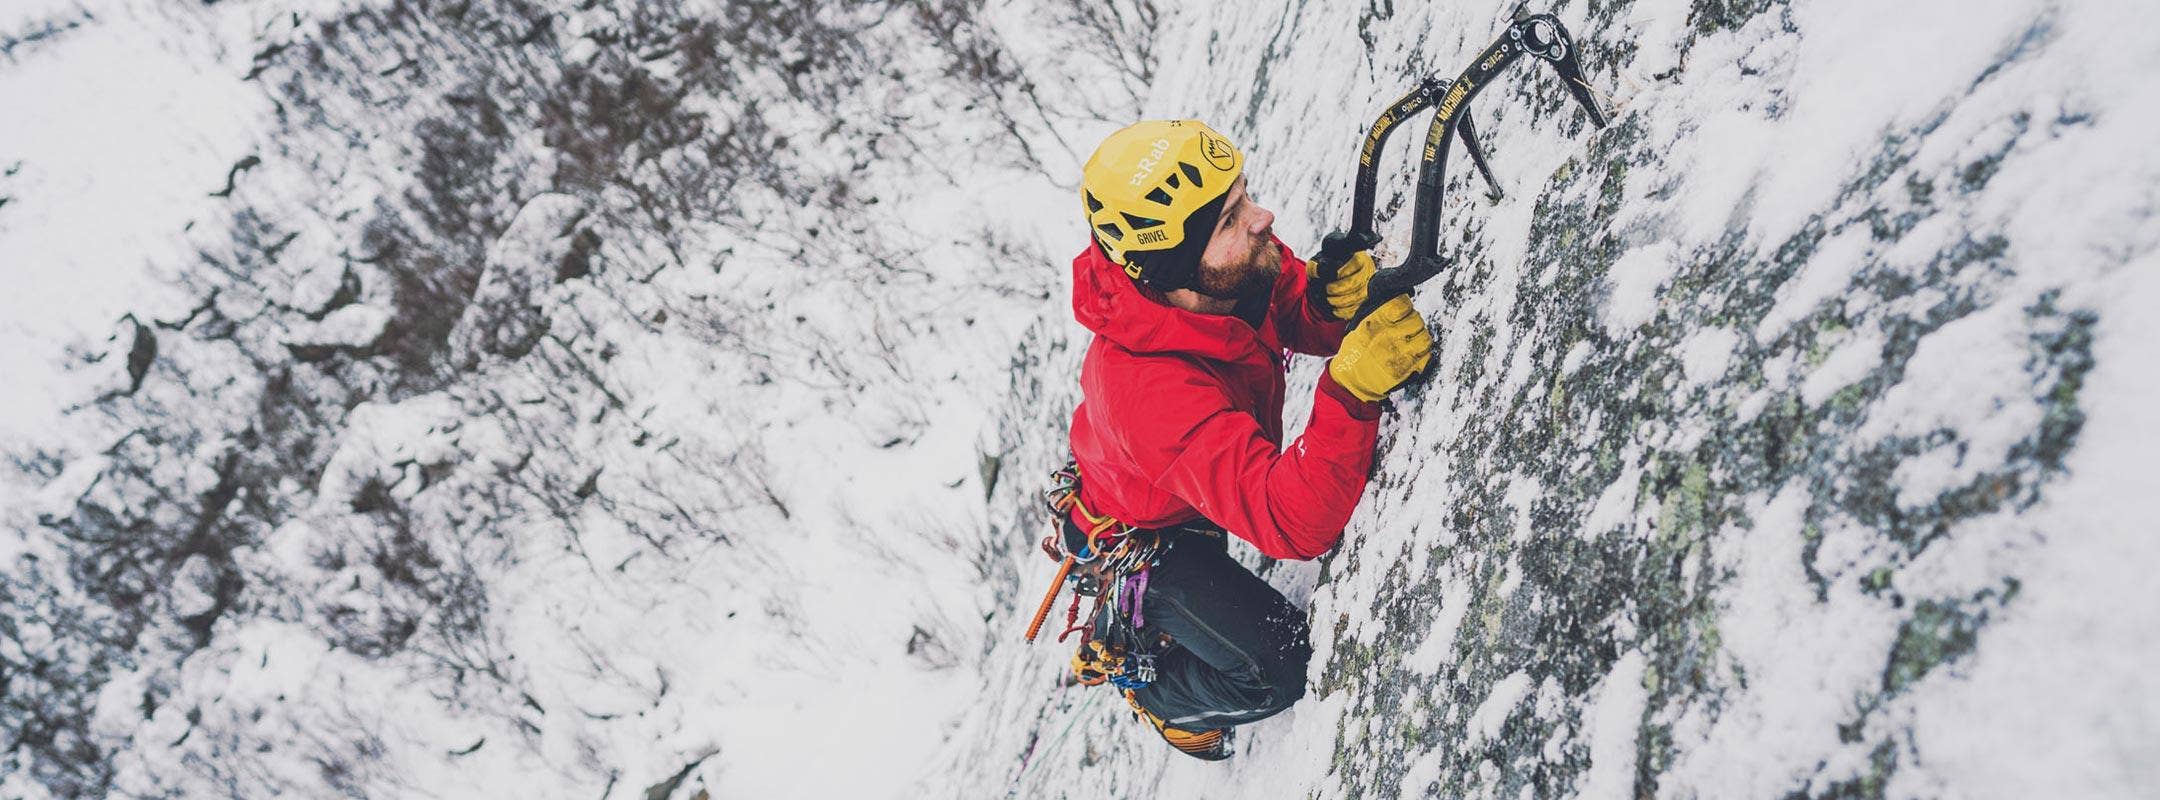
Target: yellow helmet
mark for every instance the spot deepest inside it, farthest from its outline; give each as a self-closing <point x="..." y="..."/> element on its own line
<point x="1153" y="192"/>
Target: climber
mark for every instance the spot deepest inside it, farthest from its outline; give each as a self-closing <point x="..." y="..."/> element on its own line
<point x="1195" y="307"/>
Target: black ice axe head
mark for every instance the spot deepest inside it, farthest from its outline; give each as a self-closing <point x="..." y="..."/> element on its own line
<point x="1544" y="38"/>
<point x="1540" y="36"/>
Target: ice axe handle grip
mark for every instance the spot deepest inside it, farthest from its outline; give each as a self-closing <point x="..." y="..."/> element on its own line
<point x="1388" y="284"/>
<point x="1335" y="250"/>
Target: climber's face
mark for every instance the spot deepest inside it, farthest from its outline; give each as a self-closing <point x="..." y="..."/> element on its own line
<point x="1241" y="257"/>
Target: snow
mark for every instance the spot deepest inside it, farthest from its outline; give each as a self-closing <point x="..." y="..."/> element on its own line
<point x="138" y="114"/>
<point x="1614" y="723"/>
<point x="356" y="326"/>
<point x="1507" y="693"/>
<point x="1438" y="649"/>
<point x="1418" y="777"/>
<point x="1635" y="279"/>
<point x="2060" y="685"/>
<point x="1843" y="52"/>
<point x="1704" y="356"/>
<point x="1768" y="734"/>
<point x="1822" y="278"/>
<point x="1616" y="504"/>
<point x="1853" y="360"/>
<point x="1576" y="356"/>
<point x="1955" y="377"/>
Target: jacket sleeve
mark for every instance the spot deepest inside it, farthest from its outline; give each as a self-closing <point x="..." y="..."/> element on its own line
<point x="1304" y="329"/>
<point x="1291" y="503"/>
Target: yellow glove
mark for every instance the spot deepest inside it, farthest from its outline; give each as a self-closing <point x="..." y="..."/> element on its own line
<point x="1382" y="351"/>
<point x="1346" y="292"/>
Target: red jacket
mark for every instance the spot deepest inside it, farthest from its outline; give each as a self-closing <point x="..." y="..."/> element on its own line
<point x="1181" y="415"/>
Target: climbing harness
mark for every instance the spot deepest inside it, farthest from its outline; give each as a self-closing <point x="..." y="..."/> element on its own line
<point x="1540" y="36"/>
<point x="1109" y="561"/>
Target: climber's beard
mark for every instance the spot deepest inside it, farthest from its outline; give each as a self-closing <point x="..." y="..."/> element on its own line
<point x="1253" y="273"/>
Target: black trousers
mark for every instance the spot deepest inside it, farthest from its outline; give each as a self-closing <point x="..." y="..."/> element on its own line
<point x="1240" y="647"/>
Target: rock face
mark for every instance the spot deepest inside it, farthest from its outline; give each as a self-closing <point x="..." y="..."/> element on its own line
<point x="586" y="400"/>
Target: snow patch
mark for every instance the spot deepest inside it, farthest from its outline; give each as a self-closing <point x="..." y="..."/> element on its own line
<point x="1491" y="715"/>
<point x="1574" y="359"/>
<point x="118" y="131"/>
<point x="2065" y="675"/>
<point x="1824" y="275"/>
<point x="355" y="326"/>
<point x="1634" y="281"/>
<point x="1704" y="356"/>
<point x="1775" y="731"/>
<point x="1848" y="364"/>
<point x="1614" y="723"/>
<point x="1422" y="772"/>
<point x="1956" y="380"/>
<point x="1438" y="649"/>
<point x="1616" y="505"/>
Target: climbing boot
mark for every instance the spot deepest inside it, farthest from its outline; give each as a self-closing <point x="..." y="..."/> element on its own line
<point x="1212" y="744"/>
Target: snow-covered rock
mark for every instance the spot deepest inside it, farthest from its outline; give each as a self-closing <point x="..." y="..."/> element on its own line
<point x="545" y="244"/>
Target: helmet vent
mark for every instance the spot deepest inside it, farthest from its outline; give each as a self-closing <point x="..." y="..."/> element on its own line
<point x="1093" y="204"/>
<point x="1192" y="173"/>
<point x="1172" y="180"/>
<point x="1159" y="196"/>
<point x="1140" y="223"/>
<point x="1111" y="231"/>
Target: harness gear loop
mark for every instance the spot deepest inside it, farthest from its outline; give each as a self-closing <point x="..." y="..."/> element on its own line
<point x="1109" y="561"/>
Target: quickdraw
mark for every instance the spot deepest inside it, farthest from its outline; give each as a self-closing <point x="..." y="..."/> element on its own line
<point x="1110" y="562"/>
<point x="1540" y="36"/>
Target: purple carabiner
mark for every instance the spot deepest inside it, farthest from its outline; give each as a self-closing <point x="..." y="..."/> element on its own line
<point x="1135" y="593"/>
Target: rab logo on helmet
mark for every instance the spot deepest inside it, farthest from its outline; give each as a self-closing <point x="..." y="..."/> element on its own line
<point x="1146" y="166"/>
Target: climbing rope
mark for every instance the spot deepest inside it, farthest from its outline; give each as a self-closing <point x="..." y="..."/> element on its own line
<point x="1081" y="713"/>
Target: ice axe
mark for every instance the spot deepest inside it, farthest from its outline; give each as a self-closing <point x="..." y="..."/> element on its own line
<point x="1540" y="36"/>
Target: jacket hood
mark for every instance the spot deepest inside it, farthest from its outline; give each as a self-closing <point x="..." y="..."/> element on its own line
<point x="1138" y="319"/>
